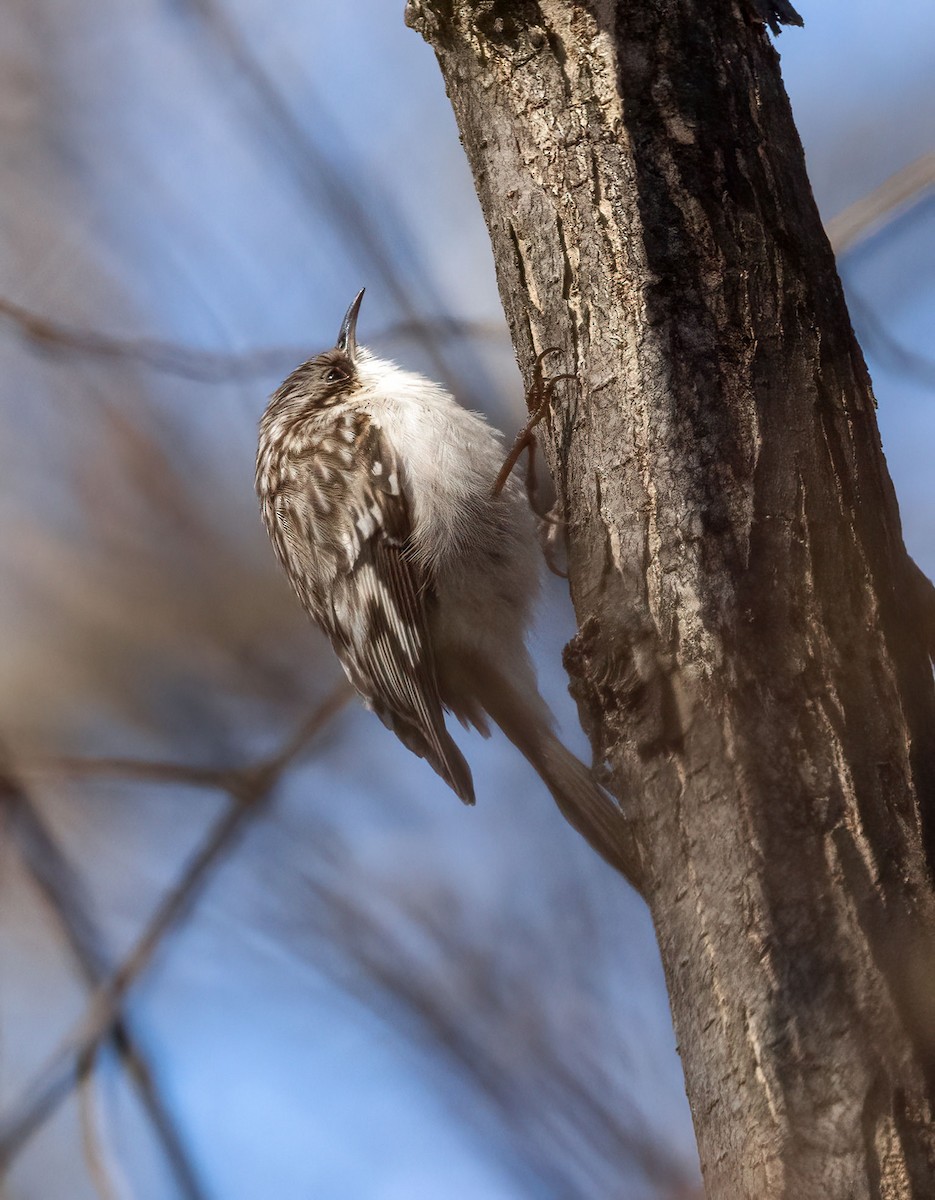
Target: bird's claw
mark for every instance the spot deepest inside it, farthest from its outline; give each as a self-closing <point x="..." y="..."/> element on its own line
<point x="538" y="401"/>
<point x="552" y="541"/>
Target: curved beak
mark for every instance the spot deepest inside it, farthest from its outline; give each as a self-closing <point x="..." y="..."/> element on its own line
<point x="347" y="338"/>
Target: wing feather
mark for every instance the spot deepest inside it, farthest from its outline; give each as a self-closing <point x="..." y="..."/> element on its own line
<point x="380" y="608"/>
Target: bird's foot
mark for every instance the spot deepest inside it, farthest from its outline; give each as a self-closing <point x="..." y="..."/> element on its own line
<point x="538" y="400"/>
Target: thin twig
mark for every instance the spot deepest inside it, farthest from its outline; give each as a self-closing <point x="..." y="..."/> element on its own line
<point x="868" y="214"/>
<point x="62" y="888"/>
<point x="339" y="192"/>
<point x="103" y="1174"/>
<point x="249" y="791"/>
<point x="55" y="878"/>
<point x="209" y="366"/>
<point x="470" y="1015"/>
<point x="133" y="768"/>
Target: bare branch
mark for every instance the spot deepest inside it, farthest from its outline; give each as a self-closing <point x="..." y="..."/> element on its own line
<point x="61" y="887"/>
<point x="250" y="791"/>
<point x="171" y="358"/>
<point x="475" y="996"/>
<point x="208" y="366"/>
<point x="339" y="193"/>
<point x="104" y="1174"/>
<point x="135" y="768"/>
<point x="55" y="878"/>
<point x="868" y="214"/>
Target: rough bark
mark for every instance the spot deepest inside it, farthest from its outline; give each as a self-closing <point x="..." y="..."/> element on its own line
<point x="750" y="660"/>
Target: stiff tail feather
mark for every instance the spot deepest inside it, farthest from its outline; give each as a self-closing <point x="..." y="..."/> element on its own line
<point x="580" y="799"/>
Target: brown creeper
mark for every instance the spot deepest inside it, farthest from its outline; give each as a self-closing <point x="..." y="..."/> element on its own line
<point x="376" y="488"/>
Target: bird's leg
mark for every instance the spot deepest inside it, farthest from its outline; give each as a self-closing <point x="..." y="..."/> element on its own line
<point x="538" y="399"/>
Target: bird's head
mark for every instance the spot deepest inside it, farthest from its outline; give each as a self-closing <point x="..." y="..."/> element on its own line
<point x="326" y="379"/>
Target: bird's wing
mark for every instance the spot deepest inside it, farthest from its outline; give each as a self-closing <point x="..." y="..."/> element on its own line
<point x="380" y="605"/>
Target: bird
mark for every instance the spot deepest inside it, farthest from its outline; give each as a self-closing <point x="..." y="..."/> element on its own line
<point x="381" y="497"/>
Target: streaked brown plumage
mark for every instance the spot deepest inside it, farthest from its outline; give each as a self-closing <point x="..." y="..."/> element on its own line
<point x="376" y="489"/>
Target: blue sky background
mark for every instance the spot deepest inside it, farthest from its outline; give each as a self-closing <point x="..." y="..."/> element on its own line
<point x="148" y="194"/>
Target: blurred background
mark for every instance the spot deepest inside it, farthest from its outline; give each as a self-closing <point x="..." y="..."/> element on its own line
<point x="249" y="946"/>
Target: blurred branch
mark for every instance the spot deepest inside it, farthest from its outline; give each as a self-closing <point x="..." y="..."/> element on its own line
<point x="136" y="768"/>
<point x="60" y="885"/>
<point x="208" y="366"/>
<point x="340" y="192"/>
<point x="171" y="358"/>
<point x="249" y="790"/>
<point x="878" y="339"/>
<point x="54" y="877"/>
<point x="862" y="219"/>
<point x="868" y="214"/>
<point x="492" y="1003"/>
<point x="103" y="1174"/>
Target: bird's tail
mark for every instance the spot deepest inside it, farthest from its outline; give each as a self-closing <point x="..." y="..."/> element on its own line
<point x="582" y="801"/>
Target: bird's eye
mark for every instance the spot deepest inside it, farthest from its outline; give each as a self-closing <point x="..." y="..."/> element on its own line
<point x="334" y="375"/>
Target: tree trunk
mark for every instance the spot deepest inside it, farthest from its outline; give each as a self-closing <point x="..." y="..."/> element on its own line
<point x="749" y="659"/>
